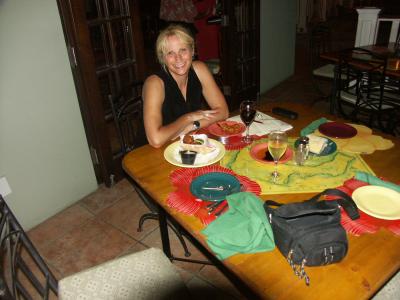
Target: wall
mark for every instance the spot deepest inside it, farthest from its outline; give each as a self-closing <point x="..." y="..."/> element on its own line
<point x="43" y="148"/>
<point x="277" y="41"/>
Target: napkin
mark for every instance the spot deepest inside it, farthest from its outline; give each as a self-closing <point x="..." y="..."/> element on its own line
<point x="371" y="179"/>
<point x="267" y="124"/>
<point x="244" y="228"/>
<point x="310" y="128"/>
<point x="317" y="143"/>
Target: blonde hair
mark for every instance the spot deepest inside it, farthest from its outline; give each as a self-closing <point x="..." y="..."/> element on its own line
<point x="177" y="30"/>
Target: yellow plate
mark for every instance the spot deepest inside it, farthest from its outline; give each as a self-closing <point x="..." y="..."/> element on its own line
<point x="378" y="201"/>
<point x="171" y="154"/>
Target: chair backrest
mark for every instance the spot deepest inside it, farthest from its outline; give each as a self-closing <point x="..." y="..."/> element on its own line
<point x="376" y="95"/>
<point x="362" y="71"/>
<point x="128" y="118"/>
<point x="24" y="275"/>
<point x="320" y="41"/>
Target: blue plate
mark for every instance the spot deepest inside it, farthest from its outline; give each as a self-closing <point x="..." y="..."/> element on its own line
<point x="330" y="148"/>
<point x="203" y="186"/>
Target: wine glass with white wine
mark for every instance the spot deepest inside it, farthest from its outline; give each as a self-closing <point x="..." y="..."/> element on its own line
<point x="277" y="144"/>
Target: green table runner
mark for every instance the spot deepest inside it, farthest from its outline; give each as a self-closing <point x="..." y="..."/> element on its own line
<point x="317" y="174"/>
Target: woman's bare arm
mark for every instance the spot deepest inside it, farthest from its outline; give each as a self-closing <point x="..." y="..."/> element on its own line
<point x="211" y="93"/>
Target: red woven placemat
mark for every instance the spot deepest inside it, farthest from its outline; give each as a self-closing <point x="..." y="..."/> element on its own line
<point x="182" y="199"/>
<point x="366" y="223"/>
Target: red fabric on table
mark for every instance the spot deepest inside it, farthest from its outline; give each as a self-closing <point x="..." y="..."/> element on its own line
<point x="182" y="199"/>
<point x="366" y="223"/>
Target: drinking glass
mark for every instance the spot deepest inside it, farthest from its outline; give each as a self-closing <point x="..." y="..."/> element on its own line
<point x="247" y="114"/>
<point x="300" y="154"/>
<point x="277" y="144"/>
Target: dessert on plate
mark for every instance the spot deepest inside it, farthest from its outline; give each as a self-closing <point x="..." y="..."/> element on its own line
<point x="196" y="142"/>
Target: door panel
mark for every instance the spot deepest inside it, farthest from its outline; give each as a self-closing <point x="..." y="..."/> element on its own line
<point x="240" y="51"/>
<point x="107" y="42"/>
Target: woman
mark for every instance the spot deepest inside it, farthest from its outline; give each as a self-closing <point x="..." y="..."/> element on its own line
<point x="172" y="97"/>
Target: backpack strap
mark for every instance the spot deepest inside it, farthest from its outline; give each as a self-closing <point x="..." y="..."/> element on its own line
<point x="344" y="201"/>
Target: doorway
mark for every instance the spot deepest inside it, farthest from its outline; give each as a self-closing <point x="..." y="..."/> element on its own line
<point x="237" y="26"/>
<point x="111" y="47"/>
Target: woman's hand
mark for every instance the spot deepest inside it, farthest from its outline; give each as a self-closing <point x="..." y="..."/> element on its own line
<point x="212" y="94"/>
<point x="203" y="115"/>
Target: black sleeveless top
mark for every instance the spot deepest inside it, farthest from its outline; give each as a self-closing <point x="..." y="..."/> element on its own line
<point x="174" y="104"/>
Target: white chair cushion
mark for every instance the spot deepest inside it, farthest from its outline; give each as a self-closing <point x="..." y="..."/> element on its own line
<point x="143" y="275"/>
<point x="351" y="98"/>
<point x="327" y="71"/>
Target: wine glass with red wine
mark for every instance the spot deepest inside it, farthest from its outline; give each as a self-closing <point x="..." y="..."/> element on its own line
<point x="247" y="114"/>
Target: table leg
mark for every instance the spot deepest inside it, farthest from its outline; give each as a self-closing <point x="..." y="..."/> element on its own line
<point x="162" y="218"/>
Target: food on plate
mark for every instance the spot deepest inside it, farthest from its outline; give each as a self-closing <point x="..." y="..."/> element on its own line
<point x="230" y="128"/>
<point x="317" y="143"/>
<point x="196" y="142"/>
<point x="189" y="139"/>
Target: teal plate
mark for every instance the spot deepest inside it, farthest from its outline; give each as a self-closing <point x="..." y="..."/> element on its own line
<point x="227" y="184"/>
<point x="330" y="148"/>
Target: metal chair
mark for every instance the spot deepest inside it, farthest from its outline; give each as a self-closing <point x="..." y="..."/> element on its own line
<point x="365" y="93"/>
<point x="24" y="274"/>
<point x="127" y="113"/>
<point x="146" y="274"/>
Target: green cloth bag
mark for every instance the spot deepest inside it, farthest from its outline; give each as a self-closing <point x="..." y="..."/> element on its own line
<point x="310" y="128"/>
<point x="371" y="179"/>
<point x="244" y="228"/>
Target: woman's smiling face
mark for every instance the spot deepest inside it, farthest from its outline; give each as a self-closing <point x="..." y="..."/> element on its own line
<point x="178" y="56"/>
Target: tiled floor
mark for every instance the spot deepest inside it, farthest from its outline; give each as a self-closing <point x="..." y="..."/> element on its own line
<point x="103" y="225"/>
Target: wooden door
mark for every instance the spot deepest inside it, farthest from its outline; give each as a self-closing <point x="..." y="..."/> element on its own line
<point x="240" y="50"/>
<point x="105" y="44"/>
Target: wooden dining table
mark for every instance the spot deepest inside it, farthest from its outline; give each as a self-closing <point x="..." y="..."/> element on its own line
<point x="385" y="51"/>
<point x="371" y="261"/>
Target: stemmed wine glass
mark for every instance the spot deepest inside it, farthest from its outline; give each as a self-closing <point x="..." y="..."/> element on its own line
<point x="247" y="114"/>
<point x="277" y="144"/>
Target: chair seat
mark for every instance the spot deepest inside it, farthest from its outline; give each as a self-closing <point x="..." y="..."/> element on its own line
<point x="351" y="98"/>
<point x="143" y="275"/>
<point x="391" y="290"/>
<point x="327" y="71"/>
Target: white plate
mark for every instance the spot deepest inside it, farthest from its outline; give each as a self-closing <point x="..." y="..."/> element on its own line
<point x="171" y="154"/>
<point x="378" y="201"/>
